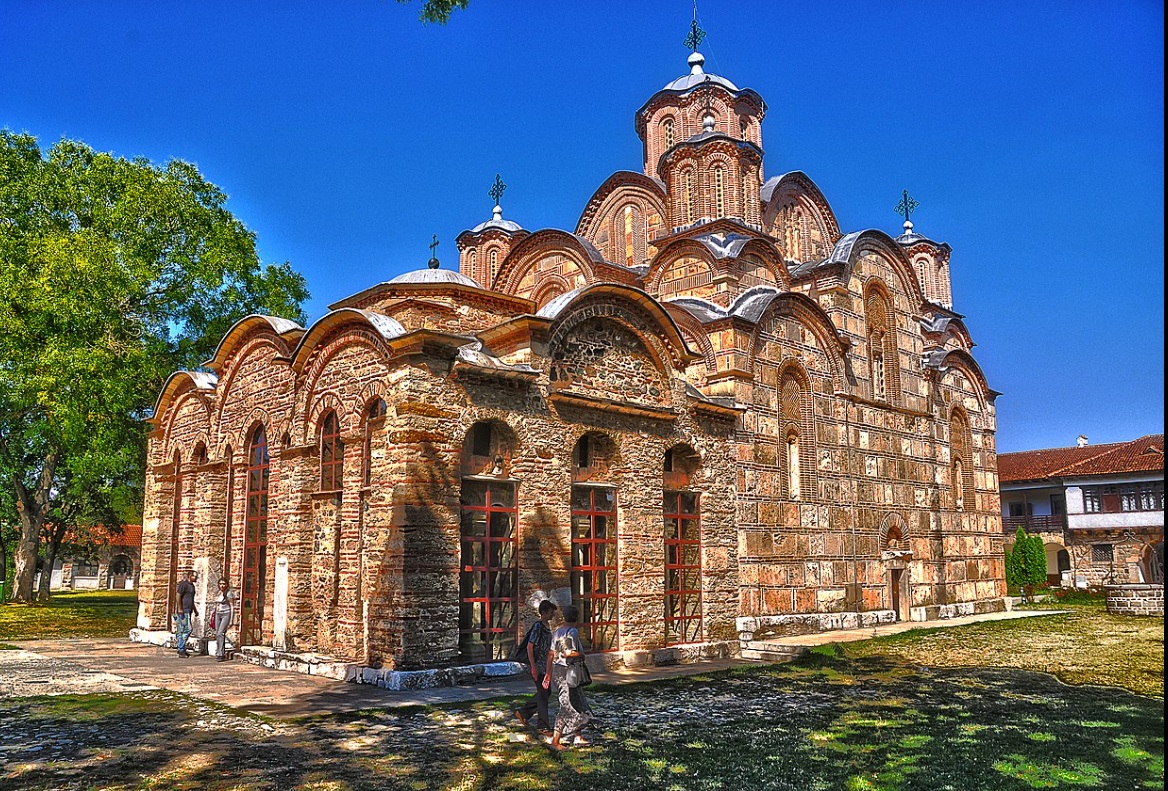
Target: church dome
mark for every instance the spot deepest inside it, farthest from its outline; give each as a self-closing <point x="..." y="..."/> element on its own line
<point x="498" y="223"/>
<point x="698" y="77"/>
<point x="434" y="276"/>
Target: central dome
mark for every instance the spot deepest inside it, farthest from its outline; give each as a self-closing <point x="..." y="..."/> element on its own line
<point x="698" y="77"/>
<point x="434" y="276"/>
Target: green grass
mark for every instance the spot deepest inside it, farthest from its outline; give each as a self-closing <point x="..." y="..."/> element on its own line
<point x="71" y="614"/>
<point x="1088" y="645"/>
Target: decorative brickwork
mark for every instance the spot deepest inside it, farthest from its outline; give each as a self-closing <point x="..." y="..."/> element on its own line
<point x="695" y="428"/>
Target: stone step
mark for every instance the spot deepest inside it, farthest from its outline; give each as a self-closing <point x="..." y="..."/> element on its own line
<point x="762" y="651"/>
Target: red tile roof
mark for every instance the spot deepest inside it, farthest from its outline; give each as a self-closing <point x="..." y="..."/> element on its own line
<point x="1145" y="454"/>
<point x="131" y="536"/>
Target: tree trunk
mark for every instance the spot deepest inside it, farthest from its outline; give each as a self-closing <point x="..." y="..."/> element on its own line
<point x="45" y="589"/>
<point x="32" y="507"/>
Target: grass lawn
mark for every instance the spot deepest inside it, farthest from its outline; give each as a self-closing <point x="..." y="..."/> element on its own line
<point x="873" y="717"/>
<point x="1088" y="645"/>
<point x="71" y="614"/>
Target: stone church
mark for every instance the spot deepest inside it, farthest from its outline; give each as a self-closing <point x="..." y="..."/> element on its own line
<point x="705" y="415"/>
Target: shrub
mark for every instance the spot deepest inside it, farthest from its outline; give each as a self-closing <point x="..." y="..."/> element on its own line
<point x="1026" y="563"/>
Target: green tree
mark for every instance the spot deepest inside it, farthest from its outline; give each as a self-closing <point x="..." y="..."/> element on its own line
<point x="113" y="273"/>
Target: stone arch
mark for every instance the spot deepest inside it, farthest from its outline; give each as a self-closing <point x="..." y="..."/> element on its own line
<point x="595" y="457"/>
<point x="577" y="264"/>
<point x="178" y="404"/>
<point x="488" y="447"/>
<point x="961" y="459"/>
<point x="758" y="305"/>
<point x="964" y="362"/>
<point x="322" y="404"/>
<point x="796" y="425"/>
<point x="552" y="287"/>
<point x="796" y="189"/>
<point x="696" y="279"/>
<point x="894" y="533"/>
<point x="618" y="189"/>
<point x="881" y="245"/>
<point x="881" y="335"/>
<point x="681" y="465"/>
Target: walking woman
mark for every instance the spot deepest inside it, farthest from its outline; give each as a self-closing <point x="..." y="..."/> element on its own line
<point x="566" y="666"/>
<point x="222" y="616"/>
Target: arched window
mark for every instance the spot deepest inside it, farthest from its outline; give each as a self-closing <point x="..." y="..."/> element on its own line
<point x="374" y="412"/>
<point x="594" y="543"/>
<point x="882" y="354"/>
<point x="683" y="549"/>
<point x="472" y="262"/>
<point x="792" y="395"/>
<point x="961" y="452"/>
<point x="494" y="263"/>
<point x="720" y="191"/>
<point x="175" y="520"/>
<point x="488" y="581"/>
<point x="255" y="540"/>
<point x="200" y="455"/>
<point x="332" y="453"/>
<point x="667" y="133"/>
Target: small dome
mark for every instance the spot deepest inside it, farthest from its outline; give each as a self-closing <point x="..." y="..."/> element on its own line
<point x="697" y="77"/>
<point x="434" y="276"/>
<point x="498" y="222"/>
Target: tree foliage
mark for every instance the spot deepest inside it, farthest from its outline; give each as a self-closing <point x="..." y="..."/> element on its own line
<point x="1026" y="562"/>
<point x="113" y="273"/>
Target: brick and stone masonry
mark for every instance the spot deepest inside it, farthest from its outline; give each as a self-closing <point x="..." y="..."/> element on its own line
<point x="706" y="414"/>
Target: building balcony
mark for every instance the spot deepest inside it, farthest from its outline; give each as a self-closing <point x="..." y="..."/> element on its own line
<point x="1034" y="524"/>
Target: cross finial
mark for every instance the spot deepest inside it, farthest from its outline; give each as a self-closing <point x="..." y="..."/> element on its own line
<point x="497" y="189"/>
<point x="905" y="208"/>
<point x="434" y="252"/>
<point x="696" y="34"/>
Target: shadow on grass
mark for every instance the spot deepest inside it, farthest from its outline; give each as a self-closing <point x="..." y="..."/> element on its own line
<point x="826" y="722"/>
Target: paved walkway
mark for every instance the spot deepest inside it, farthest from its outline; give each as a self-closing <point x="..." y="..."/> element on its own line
<point x="852" y="635"/>
<point x="54" y="667"/>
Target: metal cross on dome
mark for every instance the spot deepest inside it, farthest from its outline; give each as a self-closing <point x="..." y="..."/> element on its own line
<point x="907" y="206"/>
<point x="696" y="34"/>
<point x="497" y="189"/>
<point x="434" y="247"/>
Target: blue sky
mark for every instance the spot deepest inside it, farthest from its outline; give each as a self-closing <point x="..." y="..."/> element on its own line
<point x="346" y="133"/>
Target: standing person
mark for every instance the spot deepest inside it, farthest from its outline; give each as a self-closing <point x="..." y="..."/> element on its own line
<point x="574" y="713"/>
<point x="539" y="646"/>
<point x="222" y="617"/>
<point x="186" y="610"/>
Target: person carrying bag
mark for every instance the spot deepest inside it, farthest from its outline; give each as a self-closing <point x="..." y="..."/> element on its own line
<point x="566" y="666"/>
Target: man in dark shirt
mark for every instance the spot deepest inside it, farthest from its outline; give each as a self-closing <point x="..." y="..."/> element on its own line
<point x="539" y="643"/>
<point x="186" y="610"/>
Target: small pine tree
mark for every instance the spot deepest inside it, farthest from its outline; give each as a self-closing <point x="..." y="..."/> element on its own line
<point x="1016" y="561"/>
<point x="1036" y="561"/>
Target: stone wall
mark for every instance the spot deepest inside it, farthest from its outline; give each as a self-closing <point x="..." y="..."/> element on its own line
<point x="1135" y="599"/>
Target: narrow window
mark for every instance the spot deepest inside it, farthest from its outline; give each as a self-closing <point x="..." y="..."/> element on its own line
<point x="175" y="519"/>
<point x="683" y="568"/>
<point x="255" y="541"/>
<point x="793" y="474"/>
<point x="743" y="126"/>
<point x="1092" y="501"/>
<point x="332" y="454"/>
<point x="481" y="439"/>
<point x="375" y="411"/>
<point x="494" y="263"/>
<point x="720" y="192"/>
<point x="230" y="515"/>
<point x="594" y="565"/>
<point x="629" y="252"/>
<point x="959" y="484"/>
<point x="472" y="262"/>
<point x="667" y="128"/>
<point x="879" y="386"/>
<point x="690" y="207"/>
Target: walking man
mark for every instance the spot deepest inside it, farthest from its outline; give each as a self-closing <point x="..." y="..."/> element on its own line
<point x="186" y="611"/>
<point x="539" y="643"/>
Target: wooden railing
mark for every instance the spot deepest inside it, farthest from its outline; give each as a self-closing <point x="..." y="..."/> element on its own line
<point x="1034" y="524"/>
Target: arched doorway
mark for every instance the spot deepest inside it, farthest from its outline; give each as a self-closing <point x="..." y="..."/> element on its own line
<point x="1152" y="563"/>
<point x="121" y="570"/>
<point x="1058" y="561"/>
<point x="896" y="555"/>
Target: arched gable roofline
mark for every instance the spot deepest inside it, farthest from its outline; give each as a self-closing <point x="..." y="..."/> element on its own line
<point x="850" y="247"/>
<point x="204" y="428"/>
<point x="649" y="188"/>
<point x="770" y="256"/>
<point x="757" y="304"/>
<point x="802" y="181"/>
<point x="547" y="241"/>
<point x="963" y="360"/>
<point x="282" y="328"/>
<point x="673" y="251"/>
<point x="690" y="323"/>
<point x="667" y="328"/>
<point x="178" y="383"/>
<point x="384" y="326"/>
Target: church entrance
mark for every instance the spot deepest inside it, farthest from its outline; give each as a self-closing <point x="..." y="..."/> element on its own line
<point x="255" y="542"/>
